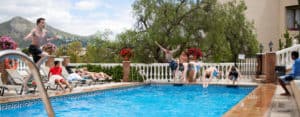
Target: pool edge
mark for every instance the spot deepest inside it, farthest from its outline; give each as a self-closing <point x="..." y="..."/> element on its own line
<point x="4" y="100"/>
<point x="255" y="104"/>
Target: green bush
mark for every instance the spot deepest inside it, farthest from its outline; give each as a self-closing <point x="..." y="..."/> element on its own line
<point x="26" y="51"/>
<point x="115" y="72"/>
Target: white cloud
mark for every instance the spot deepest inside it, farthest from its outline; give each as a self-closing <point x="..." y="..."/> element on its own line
<point x="82" y="18"/>
<point x="85" y="5"/>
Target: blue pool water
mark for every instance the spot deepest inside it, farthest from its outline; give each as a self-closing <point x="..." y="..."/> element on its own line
<point x="141" y="101"/>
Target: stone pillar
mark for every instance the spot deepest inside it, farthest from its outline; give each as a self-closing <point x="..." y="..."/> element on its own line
<point x="66" y="60"/>
<point x="50" y="61"/>
<point x="126" y="71"/>
<point x="263" y="70"/>
<point x="270" y="63"/>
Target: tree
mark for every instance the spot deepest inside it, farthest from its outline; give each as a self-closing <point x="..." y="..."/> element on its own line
<point x="239" y="32"/>
<point x="101" y="49"/>
<point x="288" y="39"/>
<point x="73" y="49"/>
<point x="181" y="22"/>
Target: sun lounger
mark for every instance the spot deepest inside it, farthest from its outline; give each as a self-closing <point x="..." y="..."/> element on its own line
<point x="295" y="86"/>
<point x="44" y="70"/>
<point x="4" y="87"/>
<point x="74" y="83"/>
<point x="15" y="78"/>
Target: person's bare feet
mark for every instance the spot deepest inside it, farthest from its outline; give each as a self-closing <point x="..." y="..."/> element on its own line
<point x="71" y="88"/>
<point x="285" y="94"/>
<point x="43" y="54"/>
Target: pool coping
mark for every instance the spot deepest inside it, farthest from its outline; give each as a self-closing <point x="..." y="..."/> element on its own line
<point x="255" y="104"/>
<point x="235" y="111"/>
<point x="12" y="99"/>
<point x="200" y="83"/>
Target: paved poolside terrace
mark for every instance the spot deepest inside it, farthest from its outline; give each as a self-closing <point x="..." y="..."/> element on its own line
<point x="265" y="100"/>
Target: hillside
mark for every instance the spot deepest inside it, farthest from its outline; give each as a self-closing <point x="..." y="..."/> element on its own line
<point x="18" y="27"/>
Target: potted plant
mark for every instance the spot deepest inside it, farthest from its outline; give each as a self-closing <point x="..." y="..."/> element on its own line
<point x="194" y="53"/>
<point x="7" y="42"/>
<point x="126" y="53"/>
<point x="50" y="48"/>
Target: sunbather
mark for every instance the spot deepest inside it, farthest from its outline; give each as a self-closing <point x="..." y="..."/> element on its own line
<point x="55" y="76"/>
<point x="104" y="75"/>
<point x="93" y="75"/>
<point x="75" y="76"/>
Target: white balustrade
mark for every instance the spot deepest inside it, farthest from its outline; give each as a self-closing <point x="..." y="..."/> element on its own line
<point x="161" y="72"/>
<point x="283" y="56"/>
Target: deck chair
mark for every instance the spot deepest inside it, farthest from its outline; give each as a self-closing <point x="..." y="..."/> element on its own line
<point x="4" y="87"/>
<point x="44" y="70"/>
<point x="16" y="78"/>
<point x="295" y="86"/>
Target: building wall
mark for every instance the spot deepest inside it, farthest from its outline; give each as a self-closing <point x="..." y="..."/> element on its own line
<point x="283" y="4"/>
<point x="269" y="19"/>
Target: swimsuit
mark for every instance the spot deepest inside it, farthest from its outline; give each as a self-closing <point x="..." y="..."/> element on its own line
<point x="215" y="73"/>
<point x="173" y="65"/>
<point x="181" y="67"/>
<point x="35" y="51"/>
<point x="198" y="67"/>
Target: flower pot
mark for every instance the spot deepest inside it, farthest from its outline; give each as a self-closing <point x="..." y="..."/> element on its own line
<point x="126" y="58"/>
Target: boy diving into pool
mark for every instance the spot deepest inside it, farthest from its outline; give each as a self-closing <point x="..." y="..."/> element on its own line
<point x="208" y="75"/>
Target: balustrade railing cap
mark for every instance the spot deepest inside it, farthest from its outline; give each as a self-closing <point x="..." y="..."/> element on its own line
<point x="260" y="53"/>
<point x="271" y="52"/>
<point x="64" y="56"/>
<point x="51" y="55"/>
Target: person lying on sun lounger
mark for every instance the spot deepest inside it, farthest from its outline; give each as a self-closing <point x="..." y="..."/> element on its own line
<point x="75" y="76"/>
<point x="84" y="73"/>
<point x="55" y="76"/>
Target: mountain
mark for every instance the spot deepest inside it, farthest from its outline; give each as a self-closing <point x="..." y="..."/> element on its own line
<point x="19" y="27"/>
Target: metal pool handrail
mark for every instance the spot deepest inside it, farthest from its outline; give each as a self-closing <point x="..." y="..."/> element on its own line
<point x="36" y="75"/>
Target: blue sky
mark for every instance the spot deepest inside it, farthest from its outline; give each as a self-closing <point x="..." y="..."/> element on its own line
<point x="83" y="17"/>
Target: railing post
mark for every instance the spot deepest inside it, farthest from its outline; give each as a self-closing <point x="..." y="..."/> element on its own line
<point x="66" y="60"/>
<point x="126" y="71"/>
<point x="270" y="63"/>
<point x="50" y="61"/>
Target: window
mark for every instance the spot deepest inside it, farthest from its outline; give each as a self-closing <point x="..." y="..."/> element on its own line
<point x="293" y="17"/>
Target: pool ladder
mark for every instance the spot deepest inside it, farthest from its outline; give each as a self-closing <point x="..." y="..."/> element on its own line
<point x="34" y="68"/>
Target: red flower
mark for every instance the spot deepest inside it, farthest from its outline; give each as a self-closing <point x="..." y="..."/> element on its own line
<point x="126" y="52"/>
<point x="195" y="52"/>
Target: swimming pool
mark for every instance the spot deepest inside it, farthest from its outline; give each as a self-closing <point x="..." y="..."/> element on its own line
<point x="146" y="101"/>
